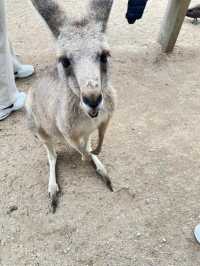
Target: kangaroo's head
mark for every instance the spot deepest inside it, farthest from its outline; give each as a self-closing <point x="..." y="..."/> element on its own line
<point x="83" y="53"/>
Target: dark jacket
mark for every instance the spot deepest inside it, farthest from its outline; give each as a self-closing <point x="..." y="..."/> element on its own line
<point x="135" y="10"/>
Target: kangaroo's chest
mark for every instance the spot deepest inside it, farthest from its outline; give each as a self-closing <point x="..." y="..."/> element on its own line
<point x="86" y="126"/>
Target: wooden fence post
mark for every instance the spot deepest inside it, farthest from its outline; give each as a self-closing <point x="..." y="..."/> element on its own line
<point x="173" y="20"/>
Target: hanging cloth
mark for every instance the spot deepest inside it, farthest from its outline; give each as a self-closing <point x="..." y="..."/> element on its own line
<point x="135" y="10"/>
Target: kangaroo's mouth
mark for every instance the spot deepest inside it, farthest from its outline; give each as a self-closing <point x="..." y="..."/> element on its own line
<point x="93" y="114"/>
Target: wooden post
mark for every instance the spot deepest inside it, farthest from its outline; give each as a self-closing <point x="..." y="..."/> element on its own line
<point x="173" y="20"/>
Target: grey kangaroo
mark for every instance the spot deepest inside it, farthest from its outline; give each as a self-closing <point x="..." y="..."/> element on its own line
<point x="78" y="97"/>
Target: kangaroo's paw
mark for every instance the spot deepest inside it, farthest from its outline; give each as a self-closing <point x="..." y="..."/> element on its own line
<point x="96" y="151"/>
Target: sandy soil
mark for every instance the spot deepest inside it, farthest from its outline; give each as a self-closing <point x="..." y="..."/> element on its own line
<point x="152" y="151"/>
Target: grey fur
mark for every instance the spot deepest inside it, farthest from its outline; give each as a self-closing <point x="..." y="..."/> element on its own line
<point x="56" y="106"/>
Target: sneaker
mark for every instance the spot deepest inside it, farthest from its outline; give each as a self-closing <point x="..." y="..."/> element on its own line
<point x="19" y="103"/>
<point x="197" y="233"/>
<point x="24" y="71"/>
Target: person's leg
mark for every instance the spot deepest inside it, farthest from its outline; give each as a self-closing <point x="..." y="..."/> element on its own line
<point x="10" y="98"/>
<point x="20" y="70"/>
<point x="8" y="88"/>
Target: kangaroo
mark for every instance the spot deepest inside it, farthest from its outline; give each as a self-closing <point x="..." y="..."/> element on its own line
<point x="77" y="98"/>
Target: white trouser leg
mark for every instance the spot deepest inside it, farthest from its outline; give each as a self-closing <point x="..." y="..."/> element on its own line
<point x="20" y="70"/>
<point x="16" y="63"/>
<point x="8" y="88"/>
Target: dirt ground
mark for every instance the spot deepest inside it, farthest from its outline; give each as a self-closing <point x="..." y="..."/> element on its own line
<point x="152" y="151"/>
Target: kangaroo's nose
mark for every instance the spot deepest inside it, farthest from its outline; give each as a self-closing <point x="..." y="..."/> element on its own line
<point x="92" y="84"/>
<point x="93" y="101"/>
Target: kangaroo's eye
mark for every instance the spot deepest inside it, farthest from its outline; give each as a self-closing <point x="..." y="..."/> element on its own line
<point x="65" y="61"/>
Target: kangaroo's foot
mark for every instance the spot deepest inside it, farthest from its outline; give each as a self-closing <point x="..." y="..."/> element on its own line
<point x="101" y="171"/>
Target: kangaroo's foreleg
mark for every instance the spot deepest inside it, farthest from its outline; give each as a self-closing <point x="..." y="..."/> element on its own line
<point x="101" y="132"/>
<point x="84" y="148"/>
<point x="81" y="146"/>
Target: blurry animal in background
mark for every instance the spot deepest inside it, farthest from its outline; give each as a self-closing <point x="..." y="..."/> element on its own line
<point x="194" y="13"/>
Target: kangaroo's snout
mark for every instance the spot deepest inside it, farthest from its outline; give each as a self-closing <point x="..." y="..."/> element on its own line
<point x="94" y="103"/>
<point x="92" y="100"/>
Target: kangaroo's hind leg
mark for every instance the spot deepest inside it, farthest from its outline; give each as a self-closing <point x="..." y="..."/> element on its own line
<point x="99" y="167"/>
<point x="53" y="188"/>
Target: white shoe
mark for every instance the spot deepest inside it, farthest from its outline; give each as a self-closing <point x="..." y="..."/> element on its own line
<point x="24" y="71"/>
<point x="197" y="233"/>
<point x="19" y="103"/>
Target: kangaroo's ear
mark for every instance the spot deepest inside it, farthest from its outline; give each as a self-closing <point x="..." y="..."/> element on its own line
<point x="52" y="14"/>
<point x="100" y="11"/>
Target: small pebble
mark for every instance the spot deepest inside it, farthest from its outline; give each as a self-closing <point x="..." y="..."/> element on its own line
<point x="147" y="201"/>
<point x="164" y="240"/>
<point x="12" y="209"/>
<point x="138" y="235"/>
